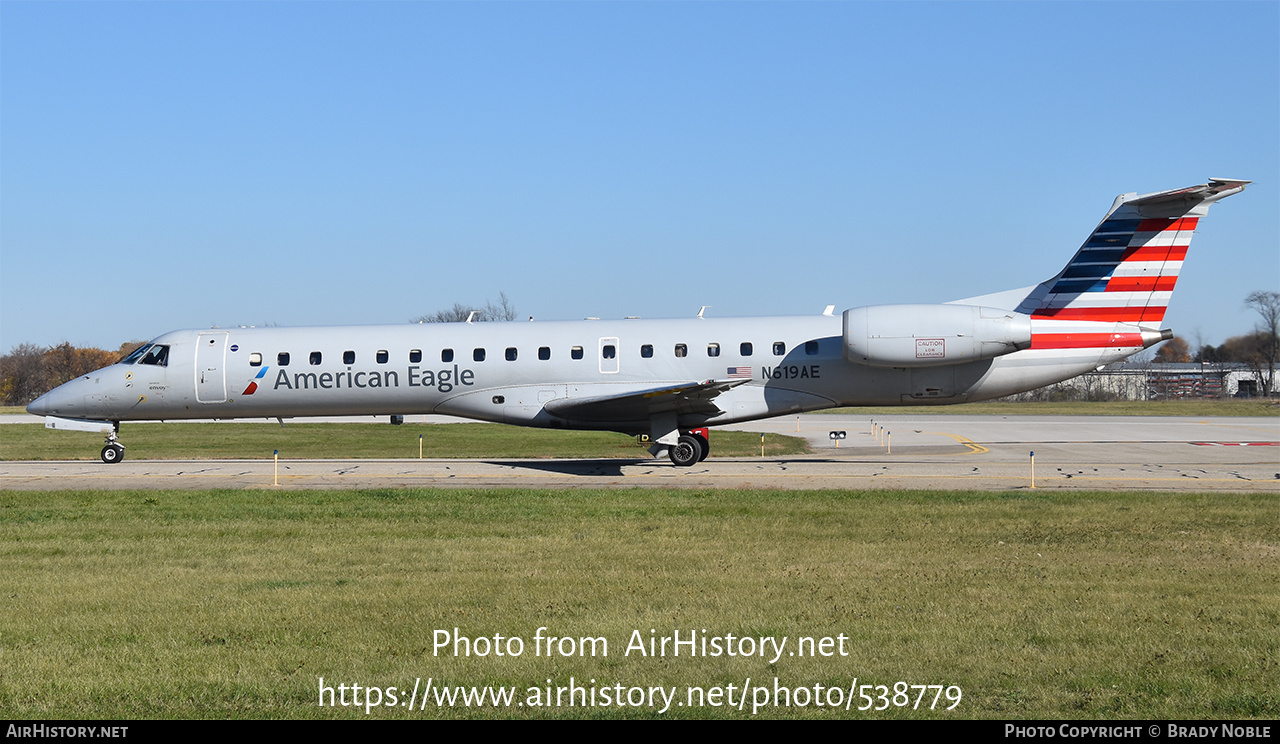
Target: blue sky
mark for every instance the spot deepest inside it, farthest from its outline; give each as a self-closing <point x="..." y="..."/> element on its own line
<point x="182" y="165"/>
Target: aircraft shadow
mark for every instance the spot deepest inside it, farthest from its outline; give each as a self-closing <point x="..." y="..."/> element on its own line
<point x="572" y="467"/>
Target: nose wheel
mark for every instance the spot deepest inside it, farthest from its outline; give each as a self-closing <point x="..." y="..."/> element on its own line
<point x="113" y="451"/>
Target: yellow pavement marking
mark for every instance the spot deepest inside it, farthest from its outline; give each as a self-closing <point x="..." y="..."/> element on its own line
<point x="974" y="447"/>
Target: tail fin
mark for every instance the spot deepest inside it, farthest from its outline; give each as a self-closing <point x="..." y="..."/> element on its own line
<point x="1125" y="272"/>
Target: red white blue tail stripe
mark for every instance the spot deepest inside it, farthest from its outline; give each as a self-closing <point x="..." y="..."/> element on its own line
<point x="1115" y="291"/>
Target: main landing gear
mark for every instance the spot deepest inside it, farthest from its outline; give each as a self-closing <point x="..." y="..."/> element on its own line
<point x="113" y="451"/>
<point x="692" y="448"/>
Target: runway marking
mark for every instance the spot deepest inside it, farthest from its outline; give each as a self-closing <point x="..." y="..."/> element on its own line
<point x="974" y="447"/>
<point x="1240" y="426"/>
<point x="1129" y="441"/>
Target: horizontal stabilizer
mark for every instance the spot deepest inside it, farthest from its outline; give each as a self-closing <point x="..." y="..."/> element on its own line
<point x="1182" y="202"/>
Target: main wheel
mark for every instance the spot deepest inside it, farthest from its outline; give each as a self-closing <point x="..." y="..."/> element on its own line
<point x="686" y="452"/>
<point x="706" y="446"/>
<point x="112" y="453"/>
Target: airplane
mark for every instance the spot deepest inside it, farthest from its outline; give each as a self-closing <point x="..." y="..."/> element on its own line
<point x="668" y="380"/>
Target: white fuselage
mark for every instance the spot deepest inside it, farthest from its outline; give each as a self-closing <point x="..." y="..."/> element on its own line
<point x="510" y="372"/>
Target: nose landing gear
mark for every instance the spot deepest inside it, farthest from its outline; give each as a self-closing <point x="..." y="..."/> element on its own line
<point x="113" y="451"/>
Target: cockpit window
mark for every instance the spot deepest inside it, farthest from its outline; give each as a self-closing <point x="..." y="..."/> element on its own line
<point x="158" y="355"/>
<point x="135" y="354"/>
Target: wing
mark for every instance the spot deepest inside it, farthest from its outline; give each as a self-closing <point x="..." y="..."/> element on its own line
<point x="690" y="397"/>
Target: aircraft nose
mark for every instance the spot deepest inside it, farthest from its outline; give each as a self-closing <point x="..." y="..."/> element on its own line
<point x="39" y="406"/>
<point x="63" y="400"/>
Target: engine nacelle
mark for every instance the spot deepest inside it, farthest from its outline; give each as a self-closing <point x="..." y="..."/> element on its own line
<point x="931" y="335"/>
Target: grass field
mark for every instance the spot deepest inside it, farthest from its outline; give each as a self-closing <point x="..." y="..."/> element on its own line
<point x="179" y="441"/>
<point x="1036" y="605"/>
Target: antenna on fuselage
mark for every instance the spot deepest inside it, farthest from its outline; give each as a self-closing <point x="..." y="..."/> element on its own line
<point x="472" y="316"/>
<point x="702" y="310"/>
<point x="830" y="310"/>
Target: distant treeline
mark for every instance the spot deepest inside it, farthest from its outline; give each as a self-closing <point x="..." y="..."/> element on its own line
<point x="29" y="371"/>
<point x="1247" y="349"/>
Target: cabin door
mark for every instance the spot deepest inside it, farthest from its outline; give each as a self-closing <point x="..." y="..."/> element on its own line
<point x="211" y="367"/>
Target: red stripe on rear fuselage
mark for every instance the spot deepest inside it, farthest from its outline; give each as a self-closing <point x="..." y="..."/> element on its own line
<point x="1085" y="340"/>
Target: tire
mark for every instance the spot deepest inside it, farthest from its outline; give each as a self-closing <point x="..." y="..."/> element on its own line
<point x="686" y="452"/>
<point x="706" y="446"/>
<point x="112" y="454"/>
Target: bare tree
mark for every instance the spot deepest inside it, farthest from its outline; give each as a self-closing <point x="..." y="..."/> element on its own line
<point x="22" y="375"/>
<point x="501" y="310"/>
<point x="29" y="371"/>
<point x="1267" y="305"/>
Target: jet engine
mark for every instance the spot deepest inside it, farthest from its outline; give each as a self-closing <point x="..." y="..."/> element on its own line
<point x="931" y="335"/>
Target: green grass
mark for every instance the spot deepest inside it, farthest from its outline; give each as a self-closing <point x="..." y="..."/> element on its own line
<point x="218" y="604"/>
<point x="1083" y="408"/>
<point x="182" y="441"/>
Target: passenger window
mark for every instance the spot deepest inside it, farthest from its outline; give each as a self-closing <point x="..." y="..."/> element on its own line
<point x="478" y="355"/>
<point x="682" y="350"/>
<point x="415" y="355"/>
<point x="576" y="352"/>
<point x="811" y="347"/>
<point x="282" y="359"/>
<point x="315" y="358"/>
<point x="646" y="351"/>
<point x="446" y="355"/>
<point x="544" y="353"/>
<point x="511" y="353"/>
<point x="779" y="348"/>
<point x="745" y="348"/>
<point x="348" y="357"/>
<point x="382" y="356"/>
<point x="713" y="350"/>
<point x="608" y="351"/>
<point x="255" y="359"/>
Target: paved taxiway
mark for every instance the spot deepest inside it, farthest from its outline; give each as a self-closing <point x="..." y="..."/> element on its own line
<point x="912" y="451"/>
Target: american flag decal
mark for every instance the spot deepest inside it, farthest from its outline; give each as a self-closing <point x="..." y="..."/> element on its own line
<point x="739" y="373"/>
